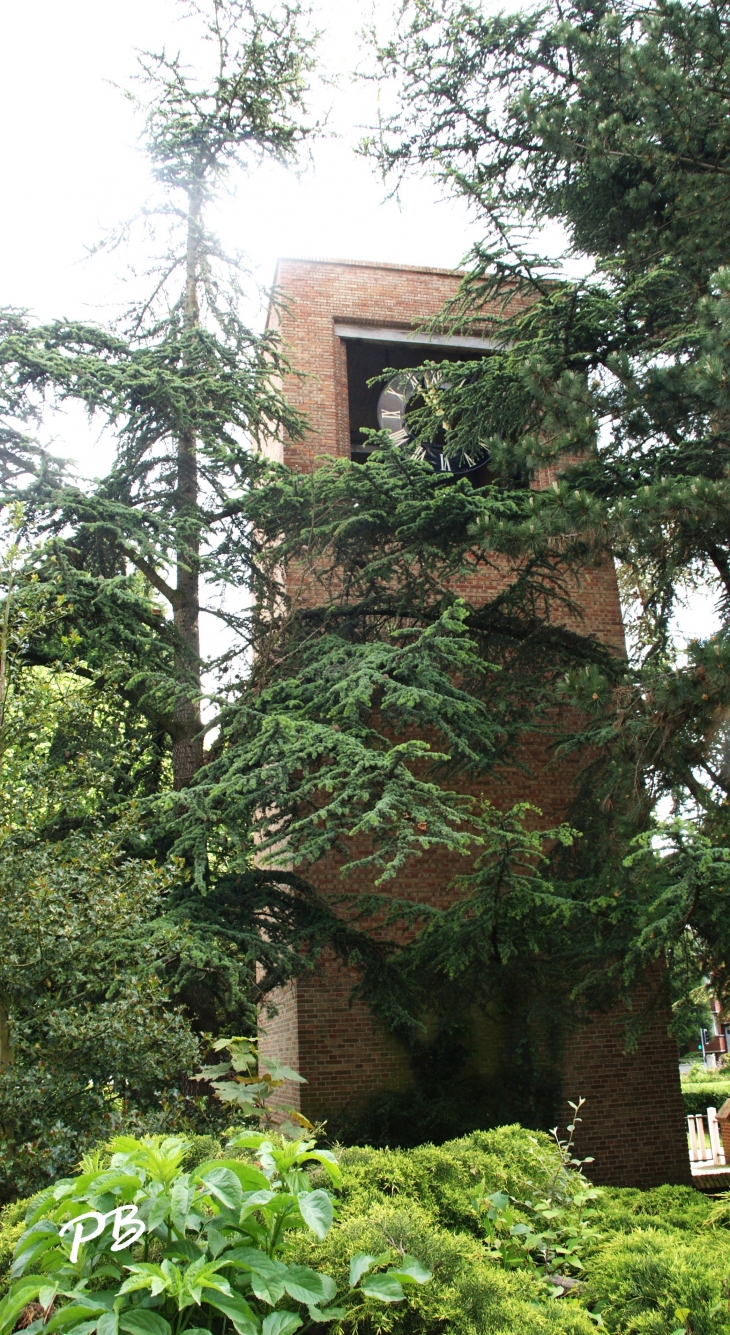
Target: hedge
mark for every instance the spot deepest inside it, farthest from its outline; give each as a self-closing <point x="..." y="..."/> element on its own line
<point x="698" y="1098"/>
<point x="657" y="1267"/>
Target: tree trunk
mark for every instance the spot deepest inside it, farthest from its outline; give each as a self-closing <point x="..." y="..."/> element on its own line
<point x="187" y="745"/>
<point x="6" y="1051"/>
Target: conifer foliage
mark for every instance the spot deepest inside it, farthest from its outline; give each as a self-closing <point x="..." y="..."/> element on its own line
<point x="608" y="122"/>
<point x="191" y="391"/>
<point x="186" y="384"/>
<point x="354" y="723"/>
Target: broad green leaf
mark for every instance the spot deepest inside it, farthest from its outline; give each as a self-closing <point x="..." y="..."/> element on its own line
<point x="124" y="1145"/>
<point x="298" y="1181"/>
<point x="253" y="1200"/>
<point x="83" y="1328"/>
<point x="237" y="1310"/>
<point x="328" y="1162"/>
<point x="267" y="1274"/>
<point x="103" y="1300"/>
<point x="278" y="1071"/>
<point x="146" y="1276"/>
<point x="47" y="1294"/>
<point x="247" y="1140"/>
<point x="232" y="1091"/>
<point x="223" y="1185"/>
<point x="141" y="1321"/>
<point x="127" y="1180"/>
<point x="250" y="1178"/>
<point x="70" y="1186"/>
<point x="317" y="1212"/>
<point x="155" y="1210"/>
<point x="201" y="1274"/>
<point x="107" y="1324"/>
<point x="329" y="1286"/>
<point x="281" y="1323"/>
<point x="210" y="1280"/>
<point x="360" y="1262"/>
<point x="39" y="1205"/>
<point x="23" y="1292"/>
<point x="410" y="1271"/>
<point x="328" y="1314"/>
<point x="36" y="1233"/>
<point x="250" y="1258"/>
<point x="183" y="1247"/>
<point x="33" y="1249"/>
<point x="267" y="1287"/>
<point x="384" y="1287"/>
<point x="304" y="1285"/>
<point x="75" y="1312"/>
<point x="181" y="1198"/>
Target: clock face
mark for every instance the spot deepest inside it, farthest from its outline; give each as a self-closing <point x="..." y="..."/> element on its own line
<point x="392" y="409"/>
<point x="375" y="406"/>
<point x="392" y="405"/>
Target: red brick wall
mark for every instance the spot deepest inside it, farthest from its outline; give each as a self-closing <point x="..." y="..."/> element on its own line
<point x="633" y="1120"/>
<point x="279" y="1036"/>
<point x="342" y="1051"/>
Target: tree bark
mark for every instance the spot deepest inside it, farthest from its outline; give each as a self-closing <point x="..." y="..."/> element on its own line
<point x="6" y="1051"/>
<point x="187" y="745"/>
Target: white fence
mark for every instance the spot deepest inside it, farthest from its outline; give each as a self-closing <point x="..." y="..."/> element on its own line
<point x="705" y="1149"/>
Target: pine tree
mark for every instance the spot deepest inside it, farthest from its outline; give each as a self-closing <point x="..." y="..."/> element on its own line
<point x="618" y="382"/>
<point x="611" y="122"/>
<point x="190" y="390"/>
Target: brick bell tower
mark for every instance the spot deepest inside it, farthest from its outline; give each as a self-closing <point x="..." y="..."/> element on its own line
<point x="343" y="323"/>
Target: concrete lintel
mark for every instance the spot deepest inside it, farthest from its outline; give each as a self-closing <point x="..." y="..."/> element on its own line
<point x="383" y="334"/>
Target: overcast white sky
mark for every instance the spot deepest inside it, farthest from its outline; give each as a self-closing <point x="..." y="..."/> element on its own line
<point x="71" y="168"/>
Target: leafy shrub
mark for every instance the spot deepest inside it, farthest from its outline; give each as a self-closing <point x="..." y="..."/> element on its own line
<point x="656" y="1281"/>
<point x="12" y="1224"/>
<point x="625" y="1209"/>
<point x="469" y="1293"/>
<point x="444" y="1178"/>
<point x="703" y="1089"/>
<point x="95" y="1037"/>
<point x="655" y="1268"/>
<point x="558" y="1229"/>
<point x="697" y="1098"/>
<point x="220" y="1242"/>
<point x="699" y="1074"/>
<point x="250" y="1081"/>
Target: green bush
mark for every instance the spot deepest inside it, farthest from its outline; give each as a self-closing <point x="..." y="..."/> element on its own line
<point x="443" y="1178"/>
<point x="422" y="1199"/>
<point x="699" y="1074"/>
<point x="12" y="1224"/>
<point x="657" y="1267"/>
<point x="136" y="1244"/>
<point x="468" y="1293"/>
<point x="656" y="1281"/>
<point x="697" y="1098"/>
<point x="625" y="1209"/>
